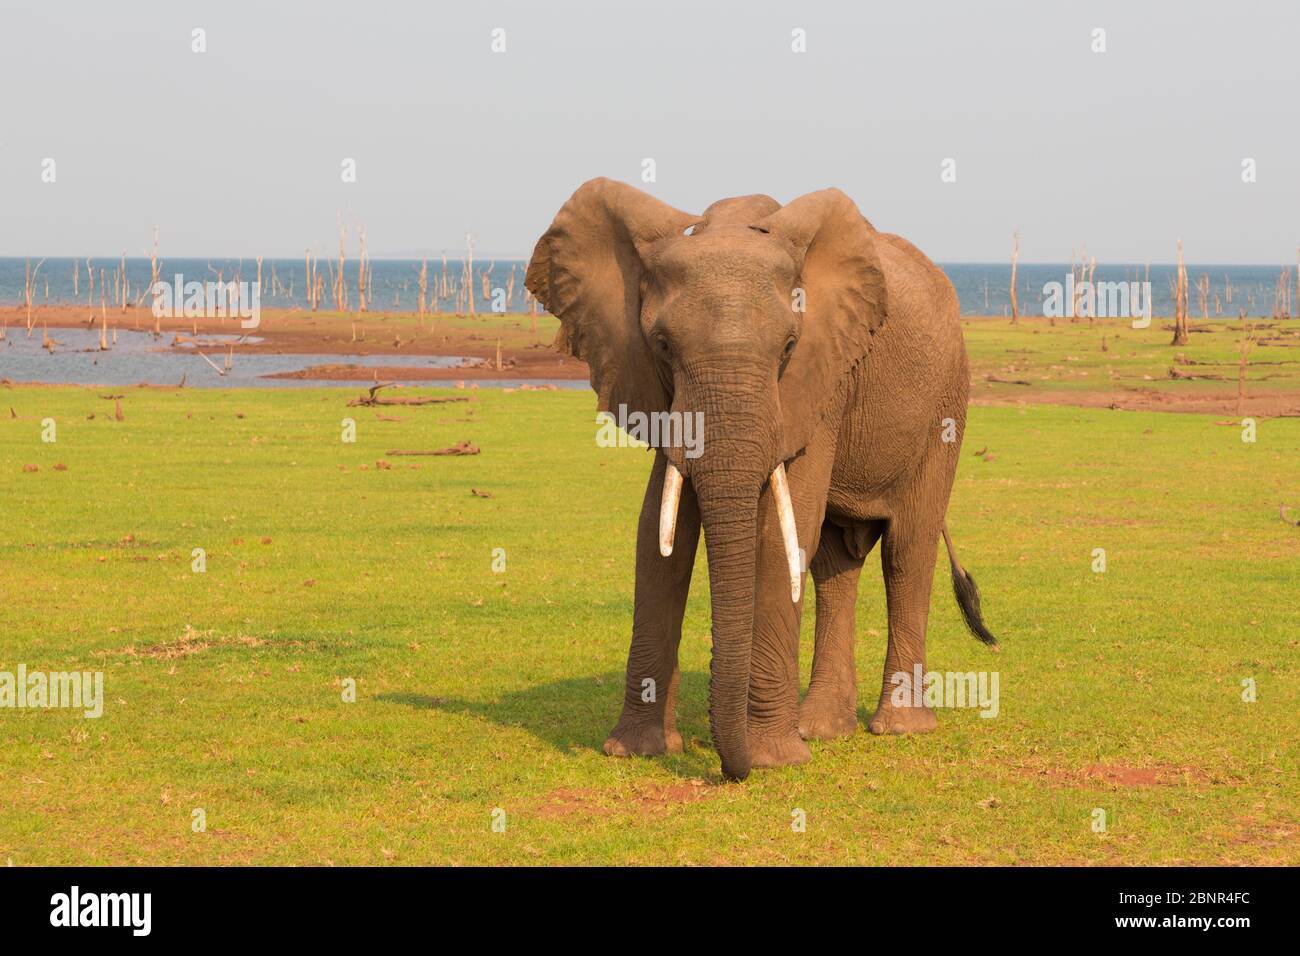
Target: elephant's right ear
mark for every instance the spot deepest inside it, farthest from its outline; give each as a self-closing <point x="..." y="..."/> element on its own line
<point x="834" y="248"/>
<point x="587" y="270"/>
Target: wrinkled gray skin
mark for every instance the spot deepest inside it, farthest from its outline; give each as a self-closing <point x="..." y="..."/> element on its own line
<point x="851" y="394"/>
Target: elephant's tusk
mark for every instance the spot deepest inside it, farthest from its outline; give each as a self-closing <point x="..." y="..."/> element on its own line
<point x="785" y="514"/>
<point x="668" y="508"/>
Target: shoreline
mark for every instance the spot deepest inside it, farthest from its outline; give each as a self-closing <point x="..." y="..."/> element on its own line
<point x="508" y="348"/>
<point x="478" y="338"/>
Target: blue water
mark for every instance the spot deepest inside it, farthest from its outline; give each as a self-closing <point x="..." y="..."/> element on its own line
<point x="981" y="287"/>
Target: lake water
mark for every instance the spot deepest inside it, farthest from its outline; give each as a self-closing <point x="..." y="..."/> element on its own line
<point x="139" y="357"/>
<point x="981" y="287"/>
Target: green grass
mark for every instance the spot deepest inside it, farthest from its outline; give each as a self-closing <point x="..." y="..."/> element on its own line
<point x="1066" y="359"/>
<point x="478" y="690"/>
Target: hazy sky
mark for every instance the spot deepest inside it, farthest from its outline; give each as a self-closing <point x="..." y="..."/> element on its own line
<point x="237" y="151"/>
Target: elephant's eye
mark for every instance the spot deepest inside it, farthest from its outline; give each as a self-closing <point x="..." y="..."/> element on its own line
<point x="661" y="345"/>
<point x="789" y="347"/>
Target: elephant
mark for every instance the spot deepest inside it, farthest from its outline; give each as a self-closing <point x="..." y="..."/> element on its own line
<point x="827" y="363"/>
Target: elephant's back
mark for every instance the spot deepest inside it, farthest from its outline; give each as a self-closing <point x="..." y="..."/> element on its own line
<point x="922" y="331"/>
<point x="917" y="289"/>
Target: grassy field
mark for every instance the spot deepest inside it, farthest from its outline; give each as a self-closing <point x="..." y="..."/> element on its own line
<point x="1072" y="361"/>
<point x="479" y="691"/>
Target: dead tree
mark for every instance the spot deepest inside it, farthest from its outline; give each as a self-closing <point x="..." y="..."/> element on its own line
<point x="1180" y="300"/>
<point x="1015" y="255"/>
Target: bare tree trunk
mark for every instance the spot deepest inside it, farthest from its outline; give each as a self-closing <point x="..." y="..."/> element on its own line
<point x="1015" y="255"/>
<point x="1180" y="301"/>
<point x="340" y="283"/>
<point x="29" y="289"/>
<point x="361" y="276"/>
<point x="155" y="270"/>
<point x="424" y="287"/>
<point x="468" y="280"/>
<point x="1244" y="351"/>
<point x="311" y="283"/>
<point x="103" y="322"/>
<point x="1092" y="272"/>
<point x="1079" y="271"/>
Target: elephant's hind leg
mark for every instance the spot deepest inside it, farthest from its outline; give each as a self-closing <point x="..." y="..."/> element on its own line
<point x="648" y="724"/>
<point x="907" y="557"/>
<point x="831" y="707"/>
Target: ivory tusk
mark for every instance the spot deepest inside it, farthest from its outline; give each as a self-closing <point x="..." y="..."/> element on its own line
<point x="668" y="508"/>
<point x="785" y="514"/>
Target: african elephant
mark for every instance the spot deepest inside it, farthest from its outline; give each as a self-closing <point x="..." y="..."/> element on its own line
<point x="828" y="364"/>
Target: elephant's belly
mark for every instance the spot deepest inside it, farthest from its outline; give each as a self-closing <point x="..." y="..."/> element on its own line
<point x="847" y="505"/>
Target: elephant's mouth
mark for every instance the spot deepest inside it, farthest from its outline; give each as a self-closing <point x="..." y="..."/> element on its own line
<point x="672" y="495"/>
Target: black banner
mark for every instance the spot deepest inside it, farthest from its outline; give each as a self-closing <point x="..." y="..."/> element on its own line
<point x="334" y="905"/>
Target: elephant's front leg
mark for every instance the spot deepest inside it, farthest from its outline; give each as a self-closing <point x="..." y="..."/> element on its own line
<point x="773" y="729"/>
<point x="648" y="724"/>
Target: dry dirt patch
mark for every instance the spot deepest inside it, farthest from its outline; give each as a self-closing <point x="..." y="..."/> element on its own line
<point x="1258" y="403"/>
<point x="645" y="800"/>
<point x="1250" y="831"/>
<point x="189" y="643"/>
<point x="1119" y="775"/>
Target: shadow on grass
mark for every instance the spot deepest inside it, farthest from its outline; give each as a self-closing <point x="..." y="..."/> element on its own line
<point x="578" y="713"/>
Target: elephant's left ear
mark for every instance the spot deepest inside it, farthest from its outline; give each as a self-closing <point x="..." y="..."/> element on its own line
<point x="844" y="303"/>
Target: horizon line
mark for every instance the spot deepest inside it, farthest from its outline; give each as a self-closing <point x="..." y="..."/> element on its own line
<point x="1000" y="263"/>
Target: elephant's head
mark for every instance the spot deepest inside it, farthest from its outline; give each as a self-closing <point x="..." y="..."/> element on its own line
<point x="752" y="314"/>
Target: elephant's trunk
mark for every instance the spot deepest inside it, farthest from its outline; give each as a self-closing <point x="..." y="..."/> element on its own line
<point x="728" y="513"/>
<point x="741" y="437"/>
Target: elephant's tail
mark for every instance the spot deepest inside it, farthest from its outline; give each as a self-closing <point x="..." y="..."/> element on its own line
<point x="968" y="595"/>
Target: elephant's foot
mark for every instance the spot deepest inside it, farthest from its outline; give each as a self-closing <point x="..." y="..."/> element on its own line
<point x="642" y="740"/>
<point x="777" y="750"/>
<point x="889" y="719"/>
<point x="822" y="718"/>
